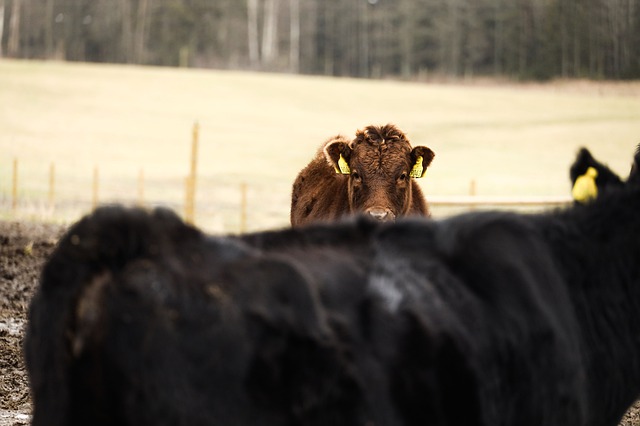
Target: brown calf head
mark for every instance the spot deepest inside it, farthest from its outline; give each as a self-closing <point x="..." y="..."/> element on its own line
<point x="380" y="163"/>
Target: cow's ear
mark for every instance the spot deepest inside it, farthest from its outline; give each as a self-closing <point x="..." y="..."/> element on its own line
<point x="421" y="157"/>
<point x="338" y="154"/>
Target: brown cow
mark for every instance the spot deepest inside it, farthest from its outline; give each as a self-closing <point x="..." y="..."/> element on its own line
<point x="371" y="174"/>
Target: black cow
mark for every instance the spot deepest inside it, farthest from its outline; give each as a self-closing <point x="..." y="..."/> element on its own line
<point x="587" y="168"/>
<point x="634" y="174"/>
<point x="486" y="319"/>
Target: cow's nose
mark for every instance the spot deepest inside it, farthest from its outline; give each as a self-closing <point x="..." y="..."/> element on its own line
<point x="380" y="214"/>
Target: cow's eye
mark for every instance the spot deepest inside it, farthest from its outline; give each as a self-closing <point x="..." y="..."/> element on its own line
<point x="355" y="176"/>
<point x="402" y="177"/>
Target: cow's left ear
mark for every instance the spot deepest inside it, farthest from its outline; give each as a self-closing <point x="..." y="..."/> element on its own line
<point x="421" y="157"/>
<point x="338" y="154"/>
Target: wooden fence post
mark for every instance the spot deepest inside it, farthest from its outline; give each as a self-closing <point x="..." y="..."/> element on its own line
<point x="194" y="148"/>
<point x="188" y="200"/>
<point x="190" y="186"/>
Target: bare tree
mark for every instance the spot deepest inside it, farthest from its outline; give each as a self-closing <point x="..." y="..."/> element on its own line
<point x="140" y="32"/>
<point x="252" y="31"/>
<point x="294" y="36"/>
<point x="1" y="25"/>
<point x="126" y="35"/>
<point x="270" y="31"/>
<point x="13" y="43"/>
<point x="365" y="55"/>
<point x="48" y="28"/>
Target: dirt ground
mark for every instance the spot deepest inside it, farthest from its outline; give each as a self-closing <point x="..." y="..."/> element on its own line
<point x="24" y="247"/>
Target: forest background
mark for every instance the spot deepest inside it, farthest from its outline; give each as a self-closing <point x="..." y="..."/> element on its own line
<point x="403" y="39"/>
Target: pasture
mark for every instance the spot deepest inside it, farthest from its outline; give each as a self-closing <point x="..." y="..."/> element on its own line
<point x="261" y="129"/>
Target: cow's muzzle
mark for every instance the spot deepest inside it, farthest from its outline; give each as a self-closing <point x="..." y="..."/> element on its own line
<point x="383" y="215"/>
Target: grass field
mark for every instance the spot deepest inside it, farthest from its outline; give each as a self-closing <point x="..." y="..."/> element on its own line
<point x="513" y="139"/>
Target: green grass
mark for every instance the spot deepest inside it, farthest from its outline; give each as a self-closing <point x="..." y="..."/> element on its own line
<point x="514" y="140"/>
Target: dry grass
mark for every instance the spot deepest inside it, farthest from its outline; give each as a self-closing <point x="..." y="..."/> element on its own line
<point x="262" y="128"/>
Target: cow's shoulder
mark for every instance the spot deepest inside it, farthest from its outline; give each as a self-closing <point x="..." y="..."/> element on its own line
<point x="318" y="192"/>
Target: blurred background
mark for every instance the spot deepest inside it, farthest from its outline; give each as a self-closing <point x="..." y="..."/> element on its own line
<point x="524" y="39"/>
<point x="129" y="101"/>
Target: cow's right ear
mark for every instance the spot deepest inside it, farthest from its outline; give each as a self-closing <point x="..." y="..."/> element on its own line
<point x="338" y="154"/>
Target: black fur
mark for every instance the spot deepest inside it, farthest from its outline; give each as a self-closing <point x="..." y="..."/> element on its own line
<point x="606" y="179"/>
<point x="634" y="174"/>
<point x="481" y="319"/>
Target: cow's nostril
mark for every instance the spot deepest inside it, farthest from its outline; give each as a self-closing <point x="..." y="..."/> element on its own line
<point x="380" y="214"/>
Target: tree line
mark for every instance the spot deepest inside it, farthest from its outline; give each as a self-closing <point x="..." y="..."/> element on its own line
<point x="409" y="39"/>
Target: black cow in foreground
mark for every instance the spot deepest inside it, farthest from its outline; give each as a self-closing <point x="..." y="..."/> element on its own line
<point x="485" y="318"/>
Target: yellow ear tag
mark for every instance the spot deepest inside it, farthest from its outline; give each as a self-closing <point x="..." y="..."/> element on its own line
<point x="344" y="167"/>
<point x="585" y="188"/>
<point x="417" y="171"/>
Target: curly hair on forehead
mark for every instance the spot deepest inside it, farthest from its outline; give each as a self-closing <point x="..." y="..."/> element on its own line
<point x="379" y="134"/>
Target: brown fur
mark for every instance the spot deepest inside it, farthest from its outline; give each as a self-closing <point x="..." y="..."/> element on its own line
<point x="380" y="159"/>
